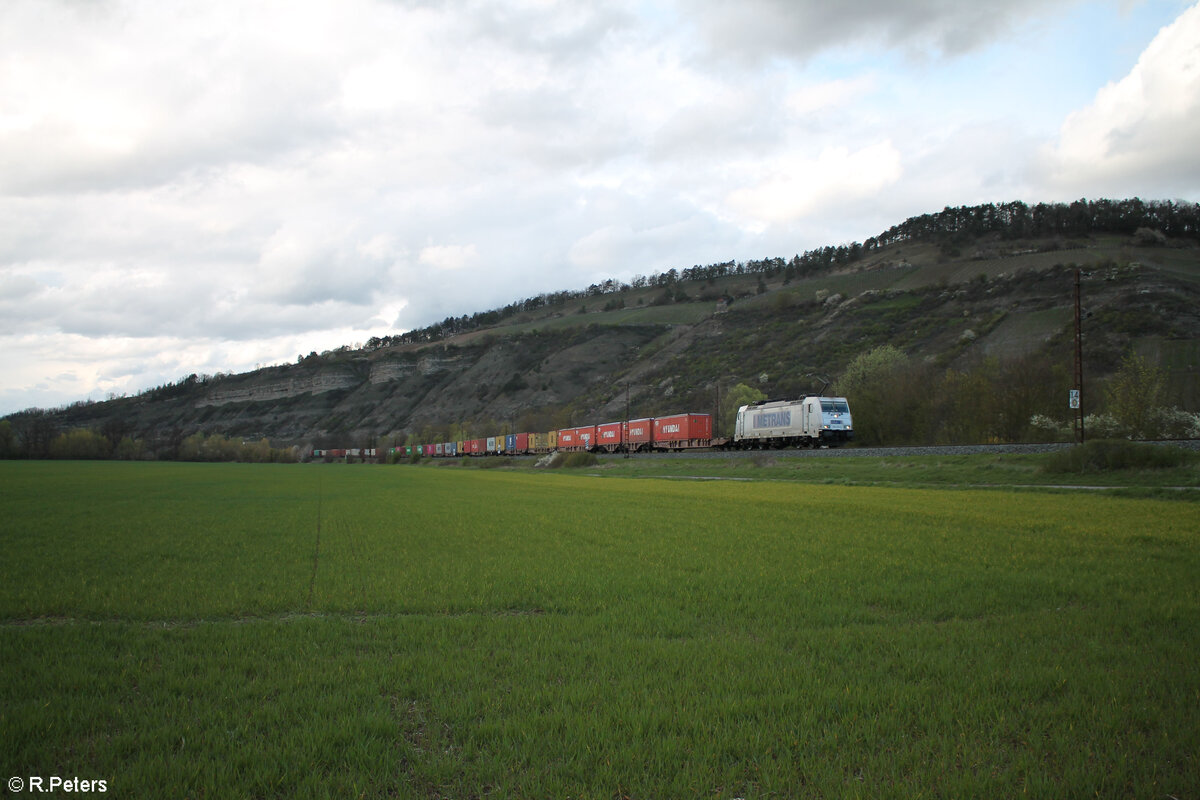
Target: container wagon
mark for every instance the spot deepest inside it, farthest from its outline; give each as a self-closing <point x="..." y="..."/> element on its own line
<point x="682" y="431"/>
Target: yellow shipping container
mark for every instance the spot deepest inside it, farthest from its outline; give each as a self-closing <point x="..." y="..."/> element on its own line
<point x="543" y="442"/>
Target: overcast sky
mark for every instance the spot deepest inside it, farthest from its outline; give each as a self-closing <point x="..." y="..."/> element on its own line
<point x="208" y="186"/>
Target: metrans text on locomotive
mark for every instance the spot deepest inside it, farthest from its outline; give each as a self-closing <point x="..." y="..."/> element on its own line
<point x="773" y="419"/>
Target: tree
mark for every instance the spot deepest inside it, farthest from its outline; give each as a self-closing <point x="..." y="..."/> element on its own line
<point x="1134" y="394"/>
<point x="738" y="396"/>
<point x="129" y="449"/>
<point x="80" y="443"/>
<point x="8" y="440"/>
<point x="872" y="384"/>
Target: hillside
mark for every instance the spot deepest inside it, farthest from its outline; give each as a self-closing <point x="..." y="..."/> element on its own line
<point x="949" y="304"/>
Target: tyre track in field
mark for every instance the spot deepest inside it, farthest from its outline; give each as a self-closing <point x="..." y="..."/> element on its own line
<point x="281" y="617"/>
<point x="336" y="530"/>
<point x="312" y="581"/>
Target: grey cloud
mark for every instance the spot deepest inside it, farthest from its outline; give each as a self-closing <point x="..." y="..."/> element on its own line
<point x="17" y="288"/>
<point x="326" y="274"/>
<point x="758" y="30"/>
<point x="745" y="123"/>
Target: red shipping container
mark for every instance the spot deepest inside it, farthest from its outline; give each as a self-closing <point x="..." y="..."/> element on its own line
<point x="637" y="432"/>
<point x="522" y="443"/>
<point x="577" y="438"/>
<point x="586" y="437"/>
<point x="609" y="436"/>
<point x="683" y="430"/>
<point x="566" y="439"/>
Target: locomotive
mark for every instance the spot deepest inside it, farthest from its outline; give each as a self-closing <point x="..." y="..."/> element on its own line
<point x="807" y="422"/>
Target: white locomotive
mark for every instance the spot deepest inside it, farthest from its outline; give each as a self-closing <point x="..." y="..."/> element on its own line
<point x="807" y="422"/>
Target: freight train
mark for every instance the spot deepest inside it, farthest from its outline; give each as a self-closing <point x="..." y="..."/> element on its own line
<point x="809" y="421"/>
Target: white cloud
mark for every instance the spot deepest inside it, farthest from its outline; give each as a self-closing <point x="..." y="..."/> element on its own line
<point x="1141" y="128"/>
<point x="790" y="188"/>
<point x="449" y="256"/>
<point x="820" y="97"/>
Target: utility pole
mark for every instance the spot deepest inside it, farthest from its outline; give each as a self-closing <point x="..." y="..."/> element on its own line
<point x="1077" y="393"/>
<point x="717" y="415"/>
<point x="625" y="427"/>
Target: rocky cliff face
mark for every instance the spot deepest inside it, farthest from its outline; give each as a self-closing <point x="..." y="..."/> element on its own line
<point x="260" y="391"/>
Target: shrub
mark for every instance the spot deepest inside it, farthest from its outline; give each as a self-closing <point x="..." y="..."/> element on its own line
<point x="1104" y="455"/>
<point x="1045" y="427"/>
<point x="1174" y="423"/>
<point x="1104" y="426"/>
<point x="492" y="463"/>
<point x="581" y="459"/>
<point x="573" y="460"/>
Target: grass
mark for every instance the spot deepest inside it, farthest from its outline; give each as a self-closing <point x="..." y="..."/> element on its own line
<point x="1099" y="456"/>
<point x="202" y="630"/>
<point x="1006" y="472"/>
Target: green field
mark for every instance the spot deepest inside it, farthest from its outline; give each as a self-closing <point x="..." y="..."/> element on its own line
<point x="204" y="630"/>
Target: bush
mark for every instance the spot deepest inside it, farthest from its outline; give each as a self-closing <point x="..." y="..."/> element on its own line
<point x="1104" y="426"/>
<point x="573" y="460"/>
<point x="492" y="463"/>
<point x="581" y="460"/>
<point x="1175" y="423"/>
<point x="1044" y="427"/>
<point x="1104" y="455"/>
